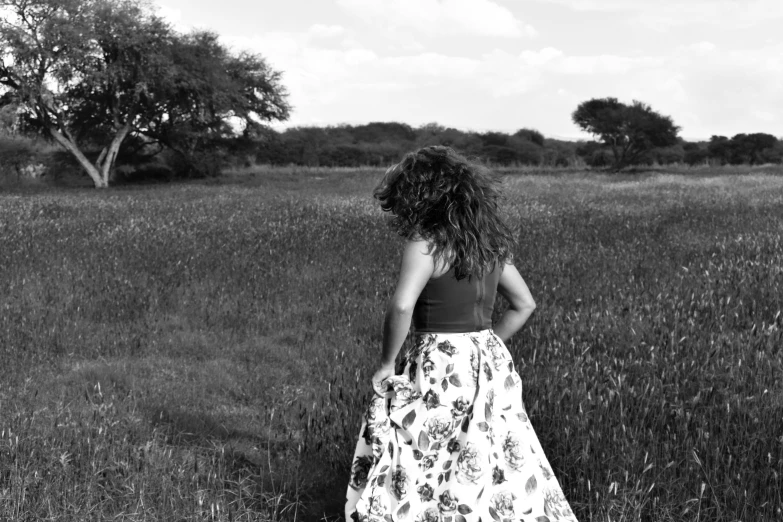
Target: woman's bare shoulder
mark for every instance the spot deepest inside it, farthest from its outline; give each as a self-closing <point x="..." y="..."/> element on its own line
<point x="419" y="248"/>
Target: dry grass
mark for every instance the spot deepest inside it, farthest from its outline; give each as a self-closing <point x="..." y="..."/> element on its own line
<point x="200" y="352"/>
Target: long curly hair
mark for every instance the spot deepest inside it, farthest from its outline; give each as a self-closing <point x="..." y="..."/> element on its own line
<point x="438" y="195"/>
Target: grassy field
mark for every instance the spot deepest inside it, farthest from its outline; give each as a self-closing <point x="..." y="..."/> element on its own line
<point x="201" y="352"/>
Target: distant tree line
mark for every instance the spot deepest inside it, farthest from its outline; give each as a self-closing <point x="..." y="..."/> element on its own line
<point x="381" y="143"/>
<point x="719" y="150"/>
<point x="625" y="134"/>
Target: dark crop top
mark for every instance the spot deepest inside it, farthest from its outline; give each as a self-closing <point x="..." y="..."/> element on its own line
<point x="450" y="306"/>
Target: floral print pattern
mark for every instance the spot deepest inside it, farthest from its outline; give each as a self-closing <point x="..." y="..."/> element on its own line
<point x="425" y="492"/>
<point x="451" y="441"/>
<point x="503" y="504"/>
<point x="448" y="503"/>
<point x="429" y="515"/>
<point x="512" y="450"/>
<point x="469" y="465"/>
<point x="360" y="471"/>
<point x="399" y="483"/>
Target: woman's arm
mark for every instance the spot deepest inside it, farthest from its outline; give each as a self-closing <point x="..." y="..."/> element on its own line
<point x="416" y="269"/>
<point x="521" y="303"/>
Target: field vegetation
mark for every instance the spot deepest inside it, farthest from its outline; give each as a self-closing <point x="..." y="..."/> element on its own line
<point x="202" y="351"/>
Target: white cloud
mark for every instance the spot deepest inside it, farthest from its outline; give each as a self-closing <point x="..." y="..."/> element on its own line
<point x="602" y="64"/>
<point x="702" y="47"/>
<point x="325" y="31"/>
<point x="355" y="57"/>
<point x="544" y="56"/>
<point x="555" y="61"/>
<point x="431" y="65"/>
<point x="662" y="14"/>
<point x="765" y="115"/>
<point x="724" y="93"/>
<point x="504" y="75"/>
<point x="662" y="83"/>
<point x="381" y="87"/>
<point x="530" y="31"/>
<point x="478" y="17"/>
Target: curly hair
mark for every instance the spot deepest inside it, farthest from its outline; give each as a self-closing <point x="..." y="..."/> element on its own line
<point x="438" y="195"/>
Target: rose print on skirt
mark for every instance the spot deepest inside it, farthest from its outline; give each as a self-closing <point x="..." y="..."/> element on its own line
<point x="451" y="442"/>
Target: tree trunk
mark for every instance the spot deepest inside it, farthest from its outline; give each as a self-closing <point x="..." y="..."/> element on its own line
<point x="98" y="172"/>
<point x="616" y="154"/>
<point x="109" y="154"/>
<point x="71" y="147"/>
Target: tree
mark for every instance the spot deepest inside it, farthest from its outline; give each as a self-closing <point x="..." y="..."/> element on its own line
<point x="749" y="148"/>
<point x="380" y="132"/>
<point x="720" y="148"/>
<point x="92" y="72"/>
<point x="629" y="130"/>
<point x="494" y="139"/>
<point x="208" y="95"/>
<point x="742" y="148"/>
<point x="531" y="135"/>
<point x="527" y="151"/>
<point x="694" y="154"/>
<point x="60" y="56"/>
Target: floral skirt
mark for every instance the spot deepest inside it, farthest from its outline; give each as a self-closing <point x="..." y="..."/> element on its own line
<point x="451" y="442"/>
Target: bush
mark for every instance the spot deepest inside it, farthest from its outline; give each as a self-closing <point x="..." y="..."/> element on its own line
<point x="668" y="155"/>
<point x="15" y="154"/>
<point x="773" y="154"/>
<point x="601" y="158"/>
<point x="61" y="163"/>
<point x="696" y="156"/>
<point x="531" y="135"/>
<point x="152" y="171"/>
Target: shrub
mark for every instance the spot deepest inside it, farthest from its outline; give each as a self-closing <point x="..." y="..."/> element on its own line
<point x="696" y="156"/>
<point x="601" y="158"/>
<point x="531" y="135"/>
<point x="15" y="154"/>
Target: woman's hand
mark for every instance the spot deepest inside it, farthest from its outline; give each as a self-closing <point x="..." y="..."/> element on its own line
<point x="383" y="373"/>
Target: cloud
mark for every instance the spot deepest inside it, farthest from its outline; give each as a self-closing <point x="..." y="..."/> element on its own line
<point x="431" y="65"/>
<point x="702" y="47"/>
<point x="663" y="14"/>
<point x="530" y="31"/>
<point x="325" y="31"/>
<point x="441" y="17"/>
<point x="553" y="60"/>
<point x="722" y="92"/>
<point x="765" y="115"/>
<point x="542" y="57"/>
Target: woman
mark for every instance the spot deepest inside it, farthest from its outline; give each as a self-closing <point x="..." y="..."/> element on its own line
<point x="447" y="438"/>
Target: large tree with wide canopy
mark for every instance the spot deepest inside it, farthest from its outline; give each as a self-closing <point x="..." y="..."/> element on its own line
<point x="98" y="71"/>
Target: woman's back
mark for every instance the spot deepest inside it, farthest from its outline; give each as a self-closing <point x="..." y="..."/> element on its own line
<point x="450" y="306"/>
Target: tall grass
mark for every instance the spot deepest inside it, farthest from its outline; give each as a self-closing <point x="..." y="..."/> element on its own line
<point x="194" y="351"/>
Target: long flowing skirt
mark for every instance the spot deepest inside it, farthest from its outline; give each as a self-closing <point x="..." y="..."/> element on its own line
<point x="451" y="442"/>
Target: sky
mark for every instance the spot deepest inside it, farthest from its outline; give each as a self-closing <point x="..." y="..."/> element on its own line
<point x="714" y="66"/>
